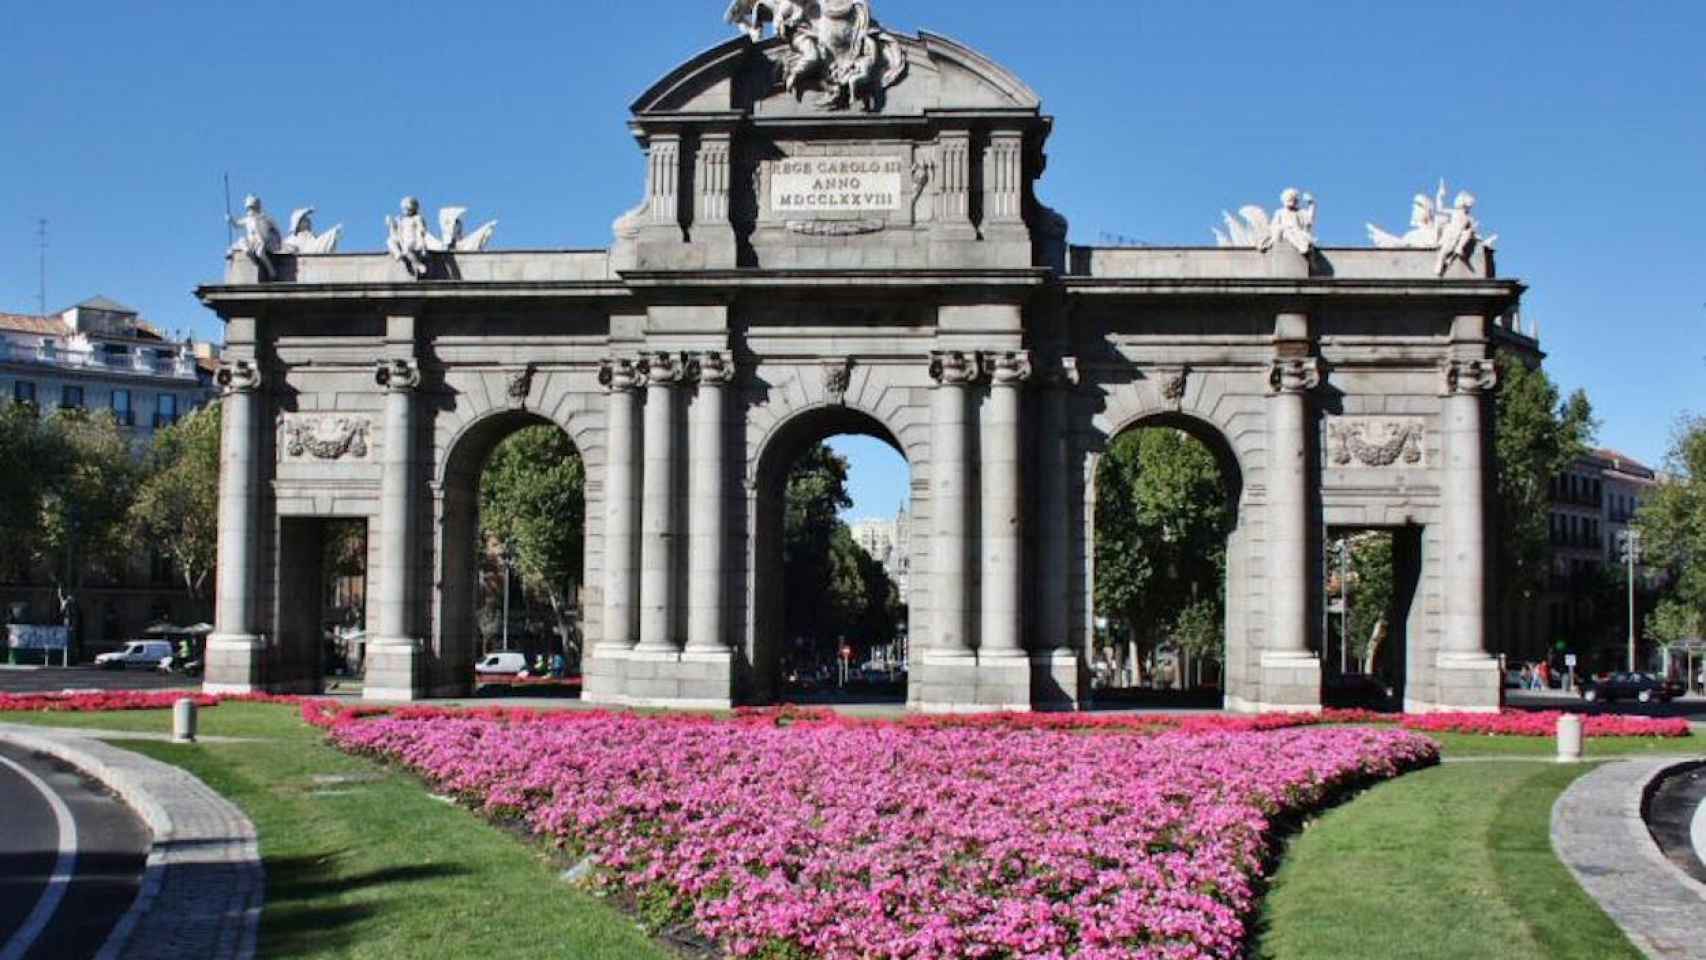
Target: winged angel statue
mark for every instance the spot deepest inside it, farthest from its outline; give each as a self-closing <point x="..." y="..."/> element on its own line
<point x="408" y="240"/>
<point x="834" y="46"/>
<point x="1293" y="224"/>
<point x="1453" y="231"/>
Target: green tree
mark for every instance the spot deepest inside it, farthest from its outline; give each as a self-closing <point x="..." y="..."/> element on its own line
<point x="1673" y="525"/>
<point x="177" y="503"/>
<point x="85" y="514"/>
<point x="32" y="458"/>
<point x="1372" y="590"/>
<point x="1162" y="516"/>
<point x="533" y="500"/>
<point x="1537" y="435"/>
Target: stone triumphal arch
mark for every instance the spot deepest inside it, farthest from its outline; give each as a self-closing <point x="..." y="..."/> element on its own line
<point x="840" y="232"/>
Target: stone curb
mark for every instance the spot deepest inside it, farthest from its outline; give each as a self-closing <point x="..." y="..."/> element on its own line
<point x="202" y="889"/>
<point x="1599" y="834"/>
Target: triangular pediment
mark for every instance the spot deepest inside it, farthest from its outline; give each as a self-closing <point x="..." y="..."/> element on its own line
<point x="741" y="77"/>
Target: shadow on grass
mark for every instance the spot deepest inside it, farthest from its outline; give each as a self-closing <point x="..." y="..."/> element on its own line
<point x="304" y="917"/>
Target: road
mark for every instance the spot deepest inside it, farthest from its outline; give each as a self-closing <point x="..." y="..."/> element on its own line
<point x="55" y="679"/>
<point x="71" y="858"/>
<point x="1692" y="709"/>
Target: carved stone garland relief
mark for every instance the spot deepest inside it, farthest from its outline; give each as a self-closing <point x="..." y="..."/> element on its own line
<point x="1376" y="441"/>
<point x="320" y="437"/>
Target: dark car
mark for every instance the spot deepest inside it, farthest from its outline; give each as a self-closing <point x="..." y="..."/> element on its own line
<point x="1630" y="686"/>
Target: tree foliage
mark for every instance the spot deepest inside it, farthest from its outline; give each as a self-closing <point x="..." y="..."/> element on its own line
<point x="834" y="590"/>
<point x="1372" y="592"/>
<point x="177" y="502"/>
<point x="1673" y="522"/>
<point x="32" y="457"/>
<point x="1537" y="435"/>
<point x="533" y="501"/>
<point x="1162" y="517"/>
<point x="85" y="510"/>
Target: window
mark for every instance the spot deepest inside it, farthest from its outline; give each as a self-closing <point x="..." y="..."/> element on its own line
<point x="166" y="410"/>
<point x="121" y="408"/>
<point x="70" y="398"/>
<point x="24" y="391"/>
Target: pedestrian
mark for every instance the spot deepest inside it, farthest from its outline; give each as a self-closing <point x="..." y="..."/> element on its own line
<point x="1544" y="672"/>
<point x="1526" y="680"/>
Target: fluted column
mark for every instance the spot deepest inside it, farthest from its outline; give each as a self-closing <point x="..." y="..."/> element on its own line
<point x="400" y="378"/>
<point x="707" y="548"/>
<point x="663" y="372"/>
<point x="1054" y="510"/>
<point x="1288" y="507"/>
<point x="950" y="503"/>
<point x="234" y="648"/>
<point x="1463" y="496"/>
<point x="621" y="503"/>
<point x="1002" y="565"/>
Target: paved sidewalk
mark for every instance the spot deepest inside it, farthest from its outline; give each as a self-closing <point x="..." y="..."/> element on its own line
<point x="204" y="884"/>
<point x="1598" y="832"/>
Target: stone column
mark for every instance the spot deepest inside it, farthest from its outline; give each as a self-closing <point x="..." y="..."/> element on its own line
<point x="1291" y="675"/>
<point x="950" y="504"/>
<point x="1000" y="492"/>
<point x="234" y="649"/>
<point x="621" y="505"/>
<point x="1057" y="671"/>
<point x="657" y="516"/>
<point x="393" y="656"/>
<point x="707" y="548"/>
<point x="1469" y="678"/>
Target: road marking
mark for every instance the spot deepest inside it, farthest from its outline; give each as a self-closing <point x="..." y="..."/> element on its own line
<point x="38" y="919"/>
<point x="1697" y="832"/>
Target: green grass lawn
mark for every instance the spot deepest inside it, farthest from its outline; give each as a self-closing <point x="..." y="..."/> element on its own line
<point x="1450" y="862"/>
<point x="376" y="868"/>
<point x="1454" y="861"/>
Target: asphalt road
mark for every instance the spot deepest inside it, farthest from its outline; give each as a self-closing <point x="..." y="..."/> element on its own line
<point x="1692" y="709"/>
<point x="71" y="858"/>
<point x="55" y="679"/>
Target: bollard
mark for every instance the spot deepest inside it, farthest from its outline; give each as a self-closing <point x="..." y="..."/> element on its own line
<point x="1569" y="738"/>
<point x="183" y="721"/>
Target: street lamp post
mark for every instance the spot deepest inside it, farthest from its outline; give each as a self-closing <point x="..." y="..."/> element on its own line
<point x="1629" y="541"/>
<point x="1344" y="606"/>
<point x="509" y="565"/>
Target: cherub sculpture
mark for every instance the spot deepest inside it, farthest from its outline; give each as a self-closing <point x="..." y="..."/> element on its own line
<point x="1452" y="231"/>
<point x="260" y="239"/>
<point x="1293" y="223"/>
<point x="407" y="238"/>
<point x="302" y="238"/>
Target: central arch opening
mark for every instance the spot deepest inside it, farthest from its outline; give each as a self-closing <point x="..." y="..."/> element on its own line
<point x="832" y="562"/>
<point x="1165" y="504"/>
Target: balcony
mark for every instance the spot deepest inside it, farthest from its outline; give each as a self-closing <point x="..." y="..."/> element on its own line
<point x="143" y="364"/>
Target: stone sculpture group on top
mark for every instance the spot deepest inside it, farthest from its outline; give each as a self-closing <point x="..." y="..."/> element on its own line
<point x="1455" y="233"/>
<point x="1293" y="224"/>
<point x="835" y="47"/>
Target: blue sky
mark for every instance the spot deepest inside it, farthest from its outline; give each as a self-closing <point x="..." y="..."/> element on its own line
<point x="1578" y="124"/>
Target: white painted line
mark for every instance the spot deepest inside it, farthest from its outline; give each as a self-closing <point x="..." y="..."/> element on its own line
<point x="1697" y="832"/>
<point x="63" y="868"/>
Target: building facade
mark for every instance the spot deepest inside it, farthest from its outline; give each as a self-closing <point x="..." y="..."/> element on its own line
<point x="889" y="543"/>
<point x="855" y="250"/>
<point x="1594" y="504"/>
<point x="99" y="355"/>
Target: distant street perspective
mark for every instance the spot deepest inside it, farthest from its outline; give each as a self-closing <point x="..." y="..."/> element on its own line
<point x="1044" y="488"/>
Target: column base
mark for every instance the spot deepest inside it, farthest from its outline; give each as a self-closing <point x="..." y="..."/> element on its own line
<point x="1290" y="683"/>
<point x="1059" y="682"/>
<point x="668" y="679"/>
<point x="394" y="671"/>
<point x="968" y="683"/>
<point x="233" y="664"/>
<point x="1463" y="683"/>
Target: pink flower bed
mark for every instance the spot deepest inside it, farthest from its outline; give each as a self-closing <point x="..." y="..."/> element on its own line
<point x="859" y="840"/>
<point x="95" y="701"/>
<point x="1516" y="723"/>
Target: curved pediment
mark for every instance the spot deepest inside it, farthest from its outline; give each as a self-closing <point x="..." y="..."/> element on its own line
<point x="742" y="76"/>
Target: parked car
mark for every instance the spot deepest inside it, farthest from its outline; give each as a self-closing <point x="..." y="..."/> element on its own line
<point x="1644" y="687"/>
<point x="136" y="653"/>
<point x="1513" y="680"/>
<point x="509" y="663"/>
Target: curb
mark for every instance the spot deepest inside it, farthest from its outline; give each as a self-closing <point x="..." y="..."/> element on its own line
<point x="203" y="886"/>
<point x="1599" y="834"/>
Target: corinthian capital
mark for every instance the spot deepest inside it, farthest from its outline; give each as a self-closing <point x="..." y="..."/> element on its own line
<point x="398" y="374"/>
<point x="1469" y="377"/>
<point x="951" y="368"/>
<point x="237" y="376"/>
<point x="617" y="375"/>
<point x="1295" y="374"/>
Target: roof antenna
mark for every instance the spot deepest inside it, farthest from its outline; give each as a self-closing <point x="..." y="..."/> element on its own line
<point x="41" y="279"/>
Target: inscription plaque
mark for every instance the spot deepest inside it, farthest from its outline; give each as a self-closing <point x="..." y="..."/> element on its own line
<point x="836" y="184"/>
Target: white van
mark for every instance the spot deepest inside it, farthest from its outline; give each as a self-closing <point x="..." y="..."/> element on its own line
<point x="508" y="663"/>
<point x="136" y="653"/>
